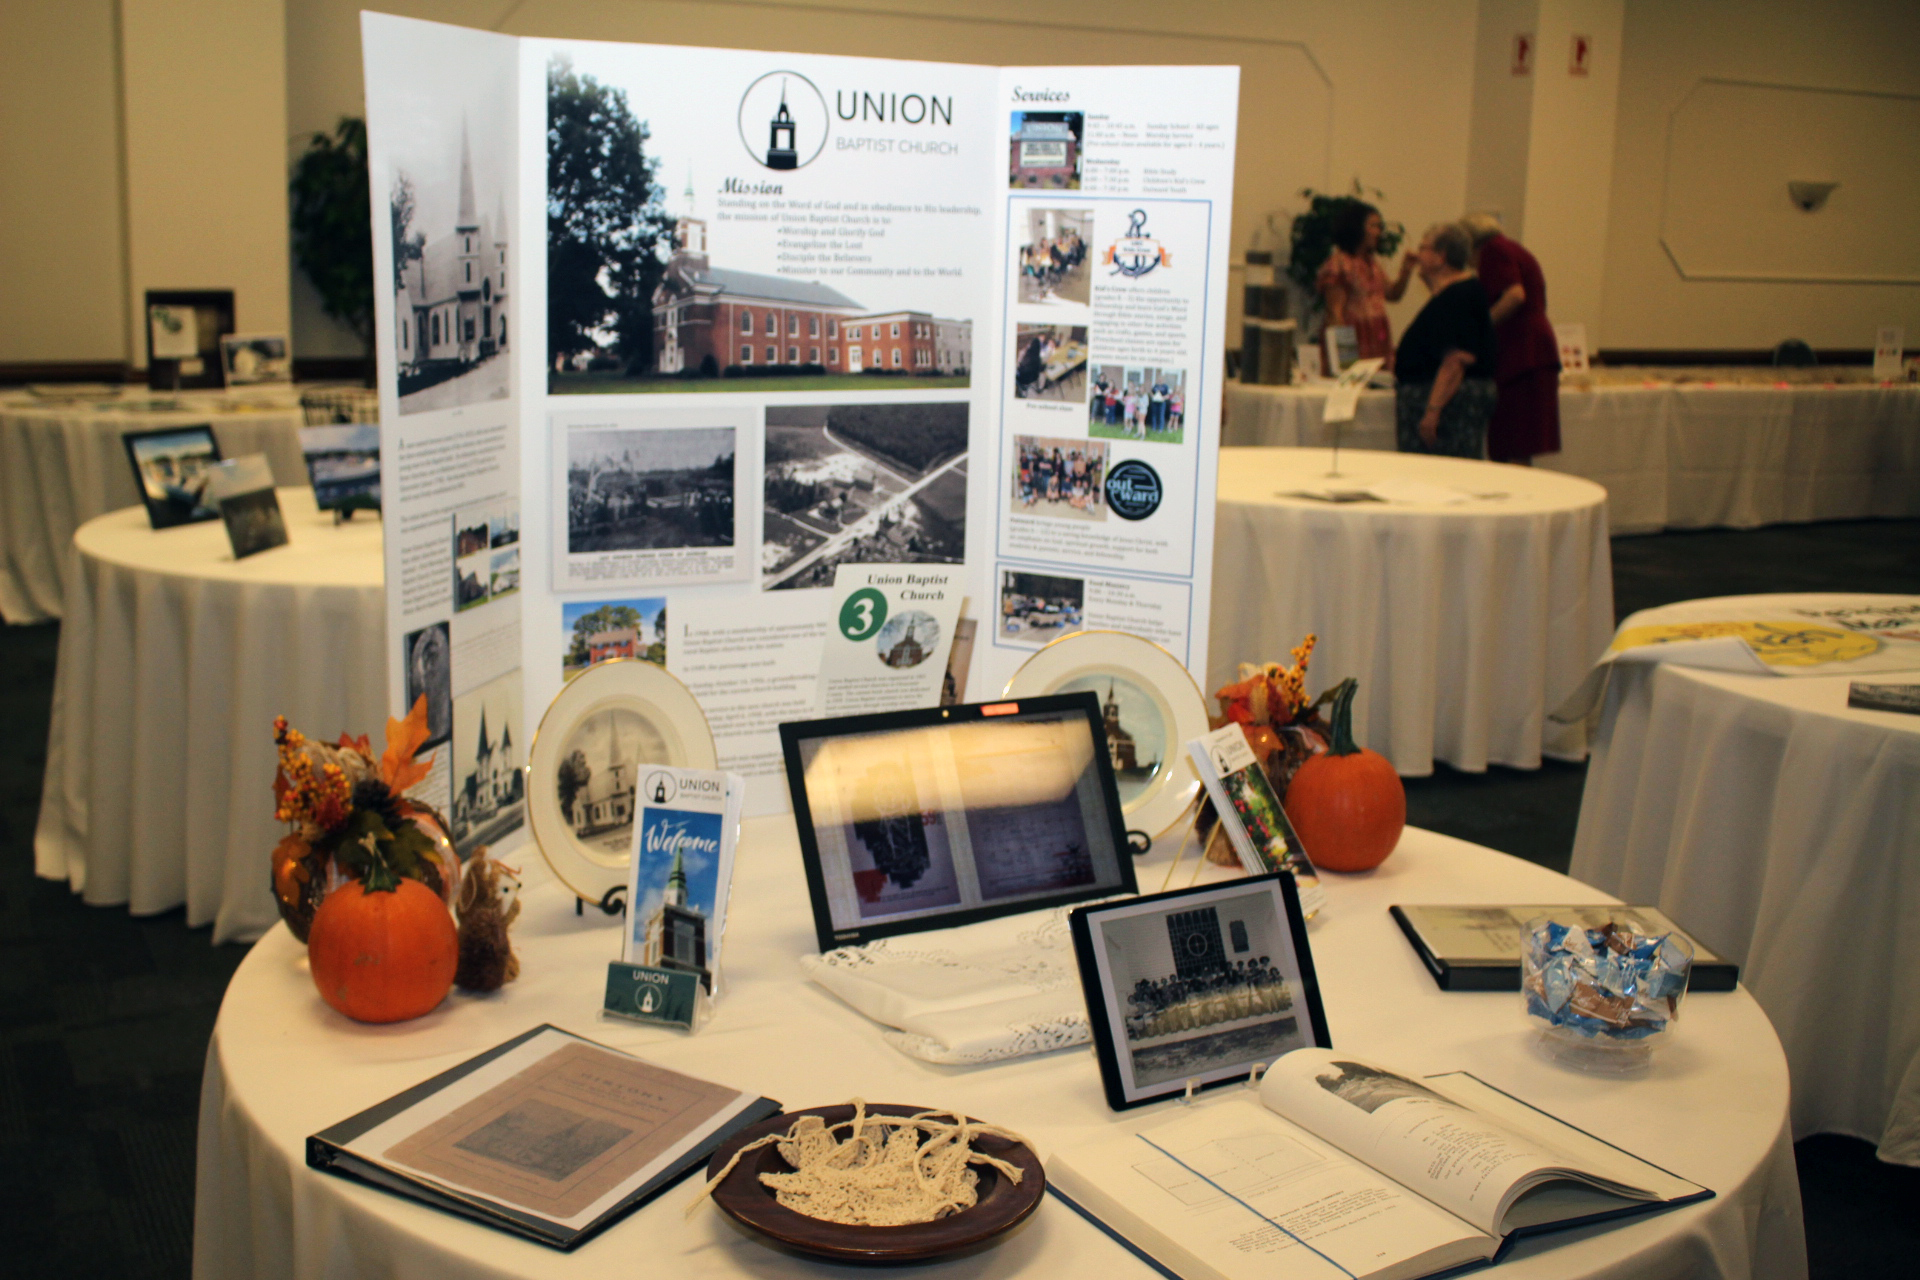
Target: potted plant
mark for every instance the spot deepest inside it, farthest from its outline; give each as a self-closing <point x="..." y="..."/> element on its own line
<point x="332" y="226"/>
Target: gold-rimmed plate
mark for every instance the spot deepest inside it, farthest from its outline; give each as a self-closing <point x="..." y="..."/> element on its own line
<point x="1152" y="710"/>
<point x="584" y="771"/>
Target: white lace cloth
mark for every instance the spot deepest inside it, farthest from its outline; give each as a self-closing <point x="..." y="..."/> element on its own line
<point x="977" y="993"/>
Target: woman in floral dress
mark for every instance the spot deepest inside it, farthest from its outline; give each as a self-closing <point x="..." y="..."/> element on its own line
<point x="1352" y="284"/>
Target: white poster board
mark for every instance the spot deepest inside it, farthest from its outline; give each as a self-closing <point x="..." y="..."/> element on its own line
<point x="834" y="316"/>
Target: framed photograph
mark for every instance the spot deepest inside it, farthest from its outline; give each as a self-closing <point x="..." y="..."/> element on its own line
<point x="917" y="820"/>
<point x="248" y="359"/>
<point x="184" y="329"/>
<point x="242" y="490"/>
<point x="604" y="728"/>
<point x="343" y="463"/>
<point x="171" y="466"/>
<point x="1199" y="985"/>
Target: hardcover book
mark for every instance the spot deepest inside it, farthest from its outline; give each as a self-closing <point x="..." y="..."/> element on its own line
<point x="1341" y="1167"/>
<point x="548" y="1136"/>
<point x="1477" y="948"/>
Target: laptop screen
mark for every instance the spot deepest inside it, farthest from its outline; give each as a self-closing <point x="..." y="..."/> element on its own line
<point x="924" y="819"/>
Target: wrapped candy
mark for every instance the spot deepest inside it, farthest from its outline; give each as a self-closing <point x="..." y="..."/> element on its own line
<point x="1605" y="986"/>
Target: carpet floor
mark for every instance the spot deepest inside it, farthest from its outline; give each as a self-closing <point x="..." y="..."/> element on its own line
<point x="104" y="1017"/>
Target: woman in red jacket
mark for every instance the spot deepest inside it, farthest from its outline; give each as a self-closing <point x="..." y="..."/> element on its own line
<point x="1526" y="419"/>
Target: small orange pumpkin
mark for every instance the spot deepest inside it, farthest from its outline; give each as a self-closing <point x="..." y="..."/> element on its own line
<point x="1347" y="803"/>
<point x="383" y="949"/>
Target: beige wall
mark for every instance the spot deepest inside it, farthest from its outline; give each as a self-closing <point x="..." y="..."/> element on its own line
<point x="205" y="129"/>
<point x="1327" y="94"/>
<point x="62" y="258"/>
<point x="1671" y="48"/>
<point x="223" y="93"/>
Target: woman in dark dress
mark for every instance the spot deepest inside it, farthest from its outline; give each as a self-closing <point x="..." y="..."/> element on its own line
<point x="1444" y="393"/>
<point x="1526" y="420"/>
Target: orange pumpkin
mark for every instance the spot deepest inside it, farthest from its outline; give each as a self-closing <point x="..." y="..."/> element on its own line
<point x="383" y="949"/>
<point x="1347" y="803"/>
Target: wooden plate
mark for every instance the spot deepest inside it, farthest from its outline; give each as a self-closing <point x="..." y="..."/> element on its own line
<point x="747" y="1200"/>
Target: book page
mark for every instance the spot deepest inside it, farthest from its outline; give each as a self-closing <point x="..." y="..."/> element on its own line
<point x="1424" y="1139"/>
<point x="558" y="1127"/>
<point x="1230" y="1189"/>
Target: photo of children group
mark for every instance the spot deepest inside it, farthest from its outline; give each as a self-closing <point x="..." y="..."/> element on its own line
<point x="1134" y="402"/>
<point x="1061" y="478"/>
<point x="1037" y="608"/>
<point x="1053" y="260"/>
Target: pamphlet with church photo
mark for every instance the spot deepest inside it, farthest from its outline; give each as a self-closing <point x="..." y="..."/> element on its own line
<point x="681" y="872"/>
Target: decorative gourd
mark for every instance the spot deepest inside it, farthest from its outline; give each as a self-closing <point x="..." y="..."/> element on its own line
<point x="1347" y="803"/>
<point x="383" y="948"/>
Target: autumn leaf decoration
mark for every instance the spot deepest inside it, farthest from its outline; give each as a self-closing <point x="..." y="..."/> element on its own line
<point x="353" y="810"/>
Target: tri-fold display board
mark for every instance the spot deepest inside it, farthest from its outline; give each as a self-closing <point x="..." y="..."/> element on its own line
<point x="666" y="335"/>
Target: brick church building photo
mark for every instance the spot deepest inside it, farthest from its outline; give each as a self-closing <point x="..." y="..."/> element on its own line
<point x="707" y="318"/>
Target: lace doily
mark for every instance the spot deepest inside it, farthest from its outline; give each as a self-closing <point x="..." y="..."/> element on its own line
<point x="881" y="1174"/>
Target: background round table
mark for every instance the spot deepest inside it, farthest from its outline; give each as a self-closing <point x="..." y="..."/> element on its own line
<point x="1782" y="828"/>
<point x="281" y="1065"/>
<point x="1724" y="450"/>
<point x="174" y="660"/>
<point x="1465" y="622"/>
<point x="63" y="464"/>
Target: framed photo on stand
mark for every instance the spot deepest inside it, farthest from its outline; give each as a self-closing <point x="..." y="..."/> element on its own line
<point x="1198" y="987"/>
<point x="253" y="359"/>
<point x="172" y="465"/>
<point x="184" y="329"/>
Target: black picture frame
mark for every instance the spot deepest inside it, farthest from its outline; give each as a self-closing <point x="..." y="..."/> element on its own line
<point x="213" y="314"/>
<point x="1123" y="1086"/>
<point x="165" y="511"/>
<point x="794" y="733"/>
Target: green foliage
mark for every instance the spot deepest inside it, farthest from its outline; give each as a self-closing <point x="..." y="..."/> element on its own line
<point x="377" y="855"/>
<point x="1312" y="238"/>
<point x="607" y="228"/>
<point x="332" y="224"/>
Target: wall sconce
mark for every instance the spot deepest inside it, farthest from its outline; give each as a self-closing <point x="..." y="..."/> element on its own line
<point x="1809" y="197"/>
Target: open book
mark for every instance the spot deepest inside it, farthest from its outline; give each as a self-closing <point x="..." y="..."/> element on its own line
<point x="1341" y="1168"/>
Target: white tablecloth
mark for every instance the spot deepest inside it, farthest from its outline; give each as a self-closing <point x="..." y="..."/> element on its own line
<point x="174" y="660"/>
<point x="1465" y="623"/>
<point x="60" y="466"/>
<point x="281" y="1066"/>
<point x="1679" y="456"/>
<point x="1783" y="828"/>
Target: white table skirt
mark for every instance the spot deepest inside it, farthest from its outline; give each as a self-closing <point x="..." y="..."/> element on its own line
<point x="62" y="466"/>
<point x="1465" y="624"/>
<point x="281" y="1066"/>
<point x="1783" y="828"/>
<point x="1681" y="456"/>
<point x="174" y="660"/>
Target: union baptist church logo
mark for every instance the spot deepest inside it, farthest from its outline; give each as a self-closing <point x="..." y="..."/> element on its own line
<point x="783" y="120"/>
<point x="1136" y="253"/>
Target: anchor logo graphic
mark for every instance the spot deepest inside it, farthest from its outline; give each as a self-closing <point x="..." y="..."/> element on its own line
<point x="1136" y="253"/>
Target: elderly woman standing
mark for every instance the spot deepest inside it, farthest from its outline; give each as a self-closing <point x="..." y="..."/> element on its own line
<point x="1352" y="284"/>
<point x="1444" y="367"/>
<point x="1526" y="420"/>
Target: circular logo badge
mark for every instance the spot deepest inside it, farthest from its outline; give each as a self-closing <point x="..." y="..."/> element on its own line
<point x="783" y="120"/>
<point x="659" y="787"/>
<point x="1133" y="490"/>
<point x="862" y="614"/>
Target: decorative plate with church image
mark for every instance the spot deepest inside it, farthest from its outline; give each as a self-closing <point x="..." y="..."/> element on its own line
<point x="607" y="724"/>
<point x="1151" y="710"/>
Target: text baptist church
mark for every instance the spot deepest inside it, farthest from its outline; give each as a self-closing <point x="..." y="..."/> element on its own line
<point x="706" y="318"/>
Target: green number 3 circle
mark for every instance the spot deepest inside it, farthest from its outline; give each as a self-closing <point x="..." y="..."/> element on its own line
<point x="863" y="613"/>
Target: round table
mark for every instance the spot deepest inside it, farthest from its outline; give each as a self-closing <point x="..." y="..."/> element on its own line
<point x="1782" y="827"/>
<point x="1725" y="450"/>
<point x="281" y="1065"/>
<point x="1466" y="618"/>
<point x="63" y="464"/>
<point x="174" y="660"/>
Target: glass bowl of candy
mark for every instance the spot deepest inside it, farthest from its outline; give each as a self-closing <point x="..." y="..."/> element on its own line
<point x="1602" y="998"/>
